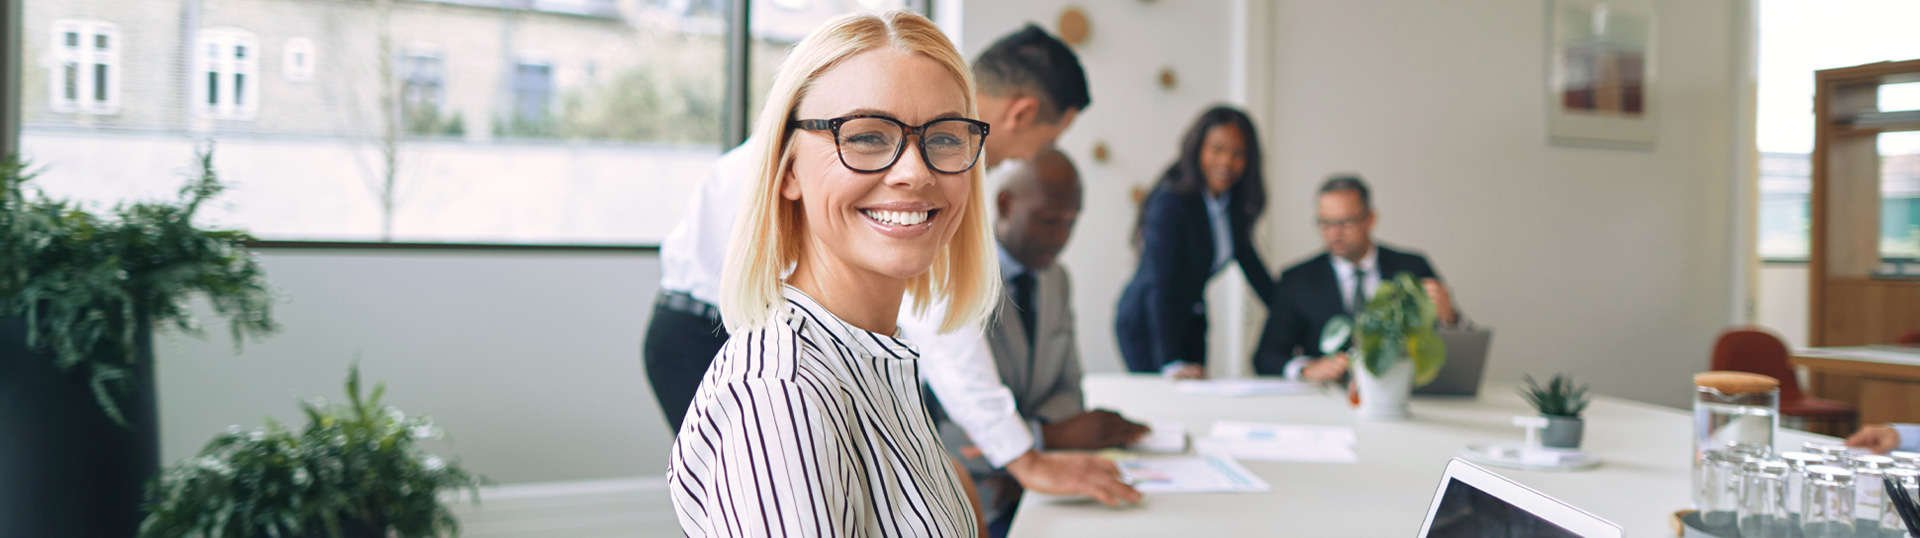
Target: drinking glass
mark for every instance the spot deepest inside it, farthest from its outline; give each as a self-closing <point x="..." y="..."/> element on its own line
<point x="1827" y="503"/>
<point x="1763" y="499"/>
<point x="1908" y="460"/>
<point x="1838" y="453"/>
<point x="1797" y="464"/>
<point x="1721" y="481"/>
<point x="1868" y="469"/>
<point x="1907" y="479"/>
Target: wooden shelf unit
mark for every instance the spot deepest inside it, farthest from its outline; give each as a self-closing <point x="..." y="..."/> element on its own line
<point x="1848" y="305"/>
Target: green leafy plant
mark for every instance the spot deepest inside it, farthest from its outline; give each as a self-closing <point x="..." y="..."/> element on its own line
<point x="1559" y="398"/>
<point x="355" y="470"/>
<point x="1398" y="323"/>
<point x="91" y="287"/>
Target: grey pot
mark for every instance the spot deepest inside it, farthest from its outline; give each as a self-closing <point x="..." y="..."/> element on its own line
<point x="1562" y="432"/>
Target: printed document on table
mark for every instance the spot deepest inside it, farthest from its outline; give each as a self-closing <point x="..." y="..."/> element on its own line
<point x="1279" y="442"/>
<point x="1203" y="474"/>
<point x="1246" y="387"/>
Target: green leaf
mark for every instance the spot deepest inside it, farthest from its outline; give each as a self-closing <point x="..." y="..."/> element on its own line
<point x="1429" y="353"/>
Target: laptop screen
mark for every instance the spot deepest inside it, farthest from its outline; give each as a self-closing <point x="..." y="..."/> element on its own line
<point x="1466" y="511"/>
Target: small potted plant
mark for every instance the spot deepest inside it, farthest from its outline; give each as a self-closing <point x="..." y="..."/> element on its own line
<point x="1560" y="402"/>
<point x="1395" y="348"/>
<point x="354" y="471"/>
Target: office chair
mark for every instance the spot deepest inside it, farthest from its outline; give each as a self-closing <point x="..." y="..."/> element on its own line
<point x="1756" y="350"/>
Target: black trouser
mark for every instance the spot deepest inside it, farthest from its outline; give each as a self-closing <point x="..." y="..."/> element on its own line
<point x="679" y="347"/>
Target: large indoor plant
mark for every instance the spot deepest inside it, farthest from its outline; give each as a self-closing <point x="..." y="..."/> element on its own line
<point x="80" y="296"/>
<point x="1395" y="347"/>
<point x="354" y="471"/>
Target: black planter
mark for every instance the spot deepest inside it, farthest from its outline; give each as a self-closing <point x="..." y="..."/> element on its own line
<point x="65" y="468"/>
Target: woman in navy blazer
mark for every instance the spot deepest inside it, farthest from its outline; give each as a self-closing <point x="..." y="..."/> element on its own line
<point x="1216" y="184"/>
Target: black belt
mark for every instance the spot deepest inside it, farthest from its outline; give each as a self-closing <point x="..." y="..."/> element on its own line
<point x="680" y="301"/>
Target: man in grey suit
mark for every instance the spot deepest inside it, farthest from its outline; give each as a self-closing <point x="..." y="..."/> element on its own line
<point x="1032" y="335"/>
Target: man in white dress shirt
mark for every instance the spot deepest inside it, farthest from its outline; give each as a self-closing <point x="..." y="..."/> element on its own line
<point x="1030" y="87"/>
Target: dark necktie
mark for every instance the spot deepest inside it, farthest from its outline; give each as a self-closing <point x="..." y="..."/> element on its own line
<point x="1359" y="291"/>
<point x="1023" y="301"/>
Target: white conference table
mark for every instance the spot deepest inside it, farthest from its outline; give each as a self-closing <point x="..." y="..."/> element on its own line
<point x="1644" y="479"/>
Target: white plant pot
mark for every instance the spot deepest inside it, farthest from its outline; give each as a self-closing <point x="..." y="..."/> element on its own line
<point x="1384" y="398"/>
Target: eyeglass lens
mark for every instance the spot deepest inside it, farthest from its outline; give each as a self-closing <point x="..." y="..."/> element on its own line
<point x="874" y="144"/>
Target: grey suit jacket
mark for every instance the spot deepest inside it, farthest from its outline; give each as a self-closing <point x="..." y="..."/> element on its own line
<point x="1046" y="382"/>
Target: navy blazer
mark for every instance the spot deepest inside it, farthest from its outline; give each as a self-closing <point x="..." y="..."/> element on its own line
<point x="1309" y="296"/>
<point x="1164" y="304"/>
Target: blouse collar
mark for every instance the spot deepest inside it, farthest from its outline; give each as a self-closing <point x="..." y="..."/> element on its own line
<point x="802" y="309"/>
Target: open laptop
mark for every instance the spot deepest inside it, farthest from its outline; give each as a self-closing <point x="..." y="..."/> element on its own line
<point x="1473" y="502"/>
<point x="1466" y="362"/>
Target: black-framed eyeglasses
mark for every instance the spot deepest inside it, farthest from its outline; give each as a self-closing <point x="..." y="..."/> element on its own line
<point x="870" y="143"/>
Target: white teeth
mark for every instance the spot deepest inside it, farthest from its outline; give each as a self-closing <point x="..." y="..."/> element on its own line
<point x="897" y="218"/>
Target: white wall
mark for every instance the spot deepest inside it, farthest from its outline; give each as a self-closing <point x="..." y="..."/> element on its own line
<point x="529" y="360"/>
<point x="1781" y="301"/>
<point x="1610" y="264"/>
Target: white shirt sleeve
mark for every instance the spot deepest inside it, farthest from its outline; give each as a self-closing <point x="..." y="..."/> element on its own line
<point x="1909" y="437"/>
<point x="959" y="366"/>
<point x="692" y="255"/>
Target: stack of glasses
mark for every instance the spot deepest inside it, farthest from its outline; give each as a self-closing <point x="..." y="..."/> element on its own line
<point x="1822" y="492"/>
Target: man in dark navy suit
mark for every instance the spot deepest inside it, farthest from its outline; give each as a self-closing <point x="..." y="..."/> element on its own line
<point x="1336" y="282"/>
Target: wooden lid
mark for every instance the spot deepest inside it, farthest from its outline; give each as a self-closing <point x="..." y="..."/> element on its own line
<point x="1735" y="382"/>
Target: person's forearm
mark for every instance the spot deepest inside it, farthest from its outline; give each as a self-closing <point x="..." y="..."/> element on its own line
<point x="959" y="368"/>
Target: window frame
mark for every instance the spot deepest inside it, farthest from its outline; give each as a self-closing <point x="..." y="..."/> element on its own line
<point x="88" y="61"/>
<point x="234" y="92"/>
<point x="735" y="119"/>
<point x="290" y="51"/>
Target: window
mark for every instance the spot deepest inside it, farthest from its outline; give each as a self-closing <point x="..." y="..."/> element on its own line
<point x="85" y="67"/>
<point x="532" y="98"/>
<point x="572" y="122"/>
<point x="1797" y="38"/>
<point x="422" y="90"/>
<point x="778" y="26"/>
<point x="229" y="64"/>
<point x="297" y="64"/>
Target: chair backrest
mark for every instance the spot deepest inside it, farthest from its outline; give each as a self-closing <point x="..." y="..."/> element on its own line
<point x="1755" y="350"/>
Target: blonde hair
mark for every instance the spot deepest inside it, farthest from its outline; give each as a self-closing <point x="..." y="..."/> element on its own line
<point x="766" y="235"/>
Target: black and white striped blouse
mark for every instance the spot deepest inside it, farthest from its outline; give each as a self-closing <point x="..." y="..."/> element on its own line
<point x="813" y="427"/>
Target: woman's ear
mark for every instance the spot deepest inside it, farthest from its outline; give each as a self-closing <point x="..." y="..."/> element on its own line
<point x="789" y="185"/>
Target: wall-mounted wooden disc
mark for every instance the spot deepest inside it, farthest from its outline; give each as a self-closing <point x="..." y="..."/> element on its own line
<point x="1073" y="26"/>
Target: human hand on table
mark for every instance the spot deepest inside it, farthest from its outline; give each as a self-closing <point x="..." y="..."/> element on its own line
<point x="1091" y="430"/>
<point x="1879" y="438"/>
<point x="1326" y="369"/>
<point x="1442" y="300"/>
<point x="1188" y="371"/>
<point x="1066" y="473"/>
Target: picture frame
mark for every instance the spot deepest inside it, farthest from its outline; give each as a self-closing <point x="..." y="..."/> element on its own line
<point x="1601" y="73"/>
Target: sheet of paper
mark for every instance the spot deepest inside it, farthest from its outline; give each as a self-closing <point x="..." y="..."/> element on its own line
<point x="1204" y="474"/>
<point x="1255" y="441"/>
<point x="1246" y="387"/>
<point x="1165" y="437"/>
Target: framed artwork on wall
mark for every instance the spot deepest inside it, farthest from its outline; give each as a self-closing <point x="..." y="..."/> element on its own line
<point x="1600" y="73"/>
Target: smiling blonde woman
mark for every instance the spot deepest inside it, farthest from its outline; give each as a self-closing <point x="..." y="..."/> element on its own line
<point x="810" y="420"/>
